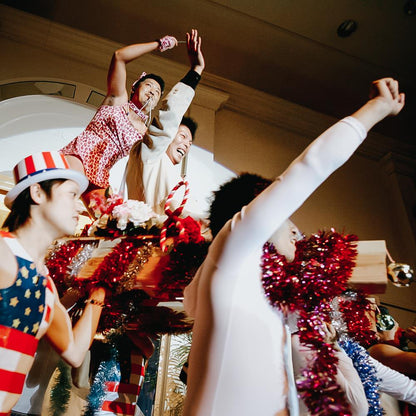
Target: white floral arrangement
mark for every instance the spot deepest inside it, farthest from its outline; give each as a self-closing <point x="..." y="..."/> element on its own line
<point x="133" y="211"/>
<point x="125" y="217"/>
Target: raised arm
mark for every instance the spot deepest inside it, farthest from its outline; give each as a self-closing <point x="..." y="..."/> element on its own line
<point x="327" y="153"/>
<point x="116" y="79"/>
<point x="174" y="106"/>
<point x="73" y="343"/>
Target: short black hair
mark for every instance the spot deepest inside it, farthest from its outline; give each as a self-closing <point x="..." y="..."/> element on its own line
<point x="20" y="211"/>
<point x="232" y="196"/>
<point x="191" y="124"/>
<point x="157" y="78"/>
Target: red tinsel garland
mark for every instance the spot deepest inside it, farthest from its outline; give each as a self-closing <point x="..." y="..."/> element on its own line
<point x="114" y="265"/>
<point x="124" y="305"/>
<point x="355" y="315"/>
<point x="59" y="260"/>
<point x="322" y="266"/>
<point x="118" y="270"/>
<point x="184" y="261"/>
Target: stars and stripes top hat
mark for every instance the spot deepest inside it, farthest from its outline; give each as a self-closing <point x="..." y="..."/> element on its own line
<point x="40" y="167"/>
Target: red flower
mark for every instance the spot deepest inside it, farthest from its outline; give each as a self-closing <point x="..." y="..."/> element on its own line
<point x="192" y="231"/>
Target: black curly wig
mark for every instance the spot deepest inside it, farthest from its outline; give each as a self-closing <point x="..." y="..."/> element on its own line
<point x="232" y="196"/>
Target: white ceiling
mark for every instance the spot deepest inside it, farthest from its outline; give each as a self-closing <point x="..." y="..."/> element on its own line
<point x="288" y="48"/>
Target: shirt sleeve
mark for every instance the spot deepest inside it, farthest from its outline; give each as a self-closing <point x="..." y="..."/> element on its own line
<point x="394" y="383"/>
<point x="349" y="381"/>
<point x="164" y="128"/>
<point x="347" y="377"/>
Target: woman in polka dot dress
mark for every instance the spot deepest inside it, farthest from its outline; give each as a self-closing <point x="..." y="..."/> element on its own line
<point x="119" y="122"/>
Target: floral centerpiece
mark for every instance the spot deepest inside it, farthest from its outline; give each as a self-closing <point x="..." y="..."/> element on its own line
<point x="117" y="217"/>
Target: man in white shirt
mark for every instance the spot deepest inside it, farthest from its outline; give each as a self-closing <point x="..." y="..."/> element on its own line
<point x="154" y="164"/>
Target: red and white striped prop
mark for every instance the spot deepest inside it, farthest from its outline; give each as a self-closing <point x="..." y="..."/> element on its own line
<point x="173" y="216"/>
<point x="121" y="398"/>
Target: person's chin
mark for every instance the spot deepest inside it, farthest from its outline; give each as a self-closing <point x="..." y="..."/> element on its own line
<point x="177" y="160"/>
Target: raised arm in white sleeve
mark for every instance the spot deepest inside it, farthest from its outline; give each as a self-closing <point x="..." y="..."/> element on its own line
<point x="236" y="365"/>
<point x="164" y="128"/>
<point x="322" y="157"/>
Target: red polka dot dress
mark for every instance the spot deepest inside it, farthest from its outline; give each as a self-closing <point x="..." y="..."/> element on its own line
<point x="108" y="138"/>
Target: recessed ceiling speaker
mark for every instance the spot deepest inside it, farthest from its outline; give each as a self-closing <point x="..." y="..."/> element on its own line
<point x="346" y="28"/>
<point x="410" y="8"/>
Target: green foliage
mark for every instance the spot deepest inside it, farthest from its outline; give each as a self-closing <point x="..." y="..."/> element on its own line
<point x="61" y="390"/>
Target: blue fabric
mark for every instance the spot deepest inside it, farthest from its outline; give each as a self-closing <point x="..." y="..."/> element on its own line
<point x="22" y="304"/>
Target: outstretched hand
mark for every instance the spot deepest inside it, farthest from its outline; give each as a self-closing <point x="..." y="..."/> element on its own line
<point x="329" y="333"/>
<point x="196" y="59"/>
<point x="386" y="90"/>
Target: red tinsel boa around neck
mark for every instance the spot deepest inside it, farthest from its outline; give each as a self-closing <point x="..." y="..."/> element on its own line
<point x="320" y="271"/>
<point x="321" y="268"/>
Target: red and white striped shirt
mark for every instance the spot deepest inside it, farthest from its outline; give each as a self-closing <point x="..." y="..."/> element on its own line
<point x="25" y="313"/>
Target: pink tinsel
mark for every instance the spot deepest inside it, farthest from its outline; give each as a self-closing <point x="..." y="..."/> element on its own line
<point x="322" y="266"/>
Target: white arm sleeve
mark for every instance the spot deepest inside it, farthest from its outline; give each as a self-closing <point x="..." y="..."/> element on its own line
<point x="164" y="128"/>
<point x="394" y="383"/>
<point x="347" y="377"/>
<point x="349" y="381"/>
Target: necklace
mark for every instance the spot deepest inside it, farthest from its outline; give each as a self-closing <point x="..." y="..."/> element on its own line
<point x="138" y="111"/>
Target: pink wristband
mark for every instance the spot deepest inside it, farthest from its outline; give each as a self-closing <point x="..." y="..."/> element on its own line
<point x="167" y="42"/>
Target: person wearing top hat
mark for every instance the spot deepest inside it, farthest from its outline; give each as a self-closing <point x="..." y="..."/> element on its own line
<point x="44" y="206"/>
